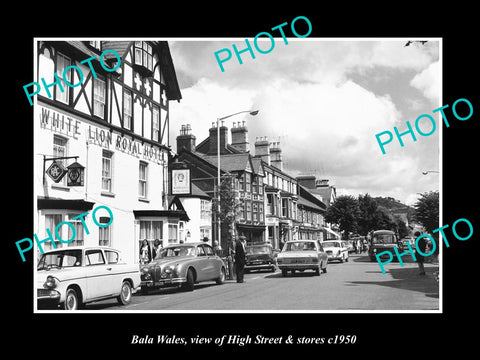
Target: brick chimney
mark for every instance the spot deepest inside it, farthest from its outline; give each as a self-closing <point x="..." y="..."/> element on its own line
<point x="212" y="150"/>
<point x="240" y="136"/>
<point x="262" y="149"/>
<point x="276" y="155"/>
<point x="186" y="140"/>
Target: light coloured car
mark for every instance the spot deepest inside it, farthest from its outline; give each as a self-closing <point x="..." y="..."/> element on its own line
<point x="183" y="265"/>
<point x="336" y="250"/>
<point x="302" y="255"/>
<point x="74" y="276"/>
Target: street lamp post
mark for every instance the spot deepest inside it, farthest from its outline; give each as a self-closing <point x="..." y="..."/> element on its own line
<point x="253" y="113"/>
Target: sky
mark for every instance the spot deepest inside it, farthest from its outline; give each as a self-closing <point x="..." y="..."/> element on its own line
<point x="324" y="100"/>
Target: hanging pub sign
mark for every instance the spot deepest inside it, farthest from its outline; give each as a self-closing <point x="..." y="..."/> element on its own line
<point x="75" y="174"/>
<point x="181" y="184"/>
<point x="56" y="171"/>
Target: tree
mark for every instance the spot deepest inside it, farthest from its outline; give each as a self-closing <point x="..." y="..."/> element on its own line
<point x="367" y="220"/>
<point x="384" y="220"/>
<point x="229" y="207"/>
<point x="344" y="212"/>
<point x="427" y="209"/>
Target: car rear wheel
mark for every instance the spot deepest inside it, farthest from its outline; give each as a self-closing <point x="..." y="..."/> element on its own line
<point x="72" y="301"/>
<point x="125" y="294"/>
<point x="221" y="278"/>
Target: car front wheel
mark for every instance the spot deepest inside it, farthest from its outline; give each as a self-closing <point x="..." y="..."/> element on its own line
<point x="125" y="294"/>
<point x="72" y="301"/>
<point x="190" y="284"/>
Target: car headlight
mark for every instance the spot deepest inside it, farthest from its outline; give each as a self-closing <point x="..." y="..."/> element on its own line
<point x="315" y="260"/>
<point x="51" y="282"/>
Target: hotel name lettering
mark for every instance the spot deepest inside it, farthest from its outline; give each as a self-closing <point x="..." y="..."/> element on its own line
<point x="65" y="125"/>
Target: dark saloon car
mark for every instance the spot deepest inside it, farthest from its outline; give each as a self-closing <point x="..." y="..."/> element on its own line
<point x="260" y="256"/>
<point x="381" y="241"/>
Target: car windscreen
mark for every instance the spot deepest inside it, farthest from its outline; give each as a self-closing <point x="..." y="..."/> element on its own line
<point x="251" y="250"/>
<point x="383" y="239"/>
<point x="61" y="258"/>
<point x="299" y="246"/>
<point x="176" y="251"/>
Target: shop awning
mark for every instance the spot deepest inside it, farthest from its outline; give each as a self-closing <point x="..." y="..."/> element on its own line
<point x="181" y="214"/>
<point x="250" y="227"/>
<point x="68" y="204"/>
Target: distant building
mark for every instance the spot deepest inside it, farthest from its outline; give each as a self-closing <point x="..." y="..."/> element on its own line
<point x="323" y="192"/>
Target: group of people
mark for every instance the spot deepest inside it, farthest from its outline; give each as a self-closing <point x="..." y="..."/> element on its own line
<point x="360" y="245"/>
<point x="147" y="254"/>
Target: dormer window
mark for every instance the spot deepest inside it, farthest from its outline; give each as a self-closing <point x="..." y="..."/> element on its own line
<point x="143" y="55"/>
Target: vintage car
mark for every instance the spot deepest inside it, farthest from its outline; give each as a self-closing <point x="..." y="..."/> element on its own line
<point x="336" y="250"/>
<point x="383" y="240"/>
<point x="259" y="256"/>
<point x="302" y="255"/>
<point x="183" y="265"/>
<point x="76" y="275"/>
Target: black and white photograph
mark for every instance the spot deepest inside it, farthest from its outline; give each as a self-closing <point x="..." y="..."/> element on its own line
<point x="287" y="159"/>
<point x="237" y="190"/>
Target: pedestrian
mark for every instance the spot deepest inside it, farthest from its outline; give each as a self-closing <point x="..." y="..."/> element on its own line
<point x="240" y="258"/>
<point x="157" y="246"/>
<point x="422" y="246"/>
<point x="145" y="252"/>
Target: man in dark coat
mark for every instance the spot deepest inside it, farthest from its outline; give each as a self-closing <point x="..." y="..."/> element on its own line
<point x="240" y="258"/>
<point x="422" y="246"/>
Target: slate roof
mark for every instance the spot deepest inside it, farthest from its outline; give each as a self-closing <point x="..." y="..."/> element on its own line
<point x="230" y="162"/>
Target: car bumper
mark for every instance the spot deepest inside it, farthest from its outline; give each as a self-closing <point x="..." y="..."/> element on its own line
<point x="163" y="282"/>
<point x="259" y="266"/>
<point x="298" y="266"/>
<point x="47" y="298"/>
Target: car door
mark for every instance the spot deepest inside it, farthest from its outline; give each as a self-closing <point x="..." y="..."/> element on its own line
<point x="115" y="268"/>
<point x="97" y="275"/>
<point x="213" y="266"/>
<point x="201" y="264"/>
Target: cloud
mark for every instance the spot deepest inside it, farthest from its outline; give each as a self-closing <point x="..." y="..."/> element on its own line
<point x="325" y="121"/>
<point x="429" y="81"/>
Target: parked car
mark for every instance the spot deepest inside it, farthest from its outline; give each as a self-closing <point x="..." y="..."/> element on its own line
<point x="302" y="255"/>
<point x="74" y="276"/>
<point x="410" y="240"/>
<point x="183" y="265"/>
<point x="259" y="256"/>
<point x="336" y="250"/>
<point x="383" y="240"/>
<point x="349" y="245"/>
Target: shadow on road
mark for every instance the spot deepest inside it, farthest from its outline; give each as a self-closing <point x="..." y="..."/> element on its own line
<point x="408" y="279"/>
<point x="297" y="274"/>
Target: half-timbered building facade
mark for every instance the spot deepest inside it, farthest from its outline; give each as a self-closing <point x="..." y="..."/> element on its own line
<point x="104" y="105"/>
